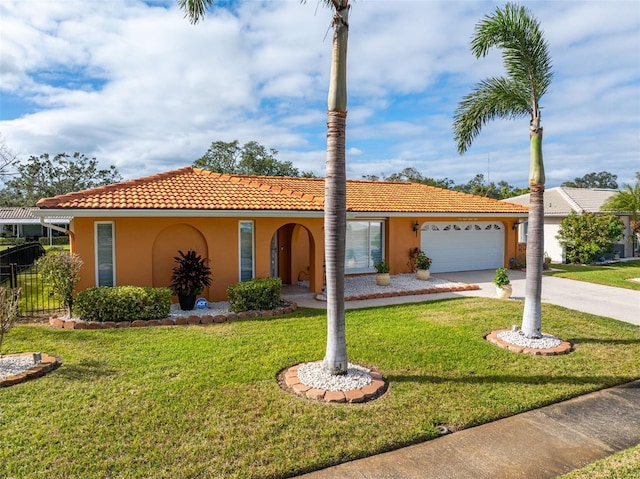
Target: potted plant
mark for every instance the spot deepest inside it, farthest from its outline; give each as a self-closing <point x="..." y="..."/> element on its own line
<point x="190" y="276"/>
<point x="423" y="263"/>
<point x="382" y="268"/>
<point x="503" y="284"/>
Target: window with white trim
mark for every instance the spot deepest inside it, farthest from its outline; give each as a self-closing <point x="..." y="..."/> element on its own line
<point x="105" y="253"/>
<point x="363" y="245"/>
<point x="246" y="263"/>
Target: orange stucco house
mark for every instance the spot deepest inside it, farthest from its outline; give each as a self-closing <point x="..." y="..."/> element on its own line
<point x="250" y="226"/>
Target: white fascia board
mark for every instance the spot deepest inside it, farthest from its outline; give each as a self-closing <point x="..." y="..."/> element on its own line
<point x="155" y="213"/>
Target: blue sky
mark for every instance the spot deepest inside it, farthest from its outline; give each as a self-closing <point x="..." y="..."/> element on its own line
<point x="136" y="85"/>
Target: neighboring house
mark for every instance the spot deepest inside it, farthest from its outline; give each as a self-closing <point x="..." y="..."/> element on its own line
<point x="250" y="226"/>
<point x="559" y="203"/>
<point x="19" y="222"/>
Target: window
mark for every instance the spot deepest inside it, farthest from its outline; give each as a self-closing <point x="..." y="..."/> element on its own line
<point x="363" y="246"/>
<point x="105" y="254"/>
<point x="246" y="251"/>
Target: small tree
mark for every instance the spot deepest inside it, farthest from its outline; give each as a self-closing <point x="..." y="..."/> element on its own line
<point x="9" y="307"/>
<point x="587" y="236"/>
<point x="62" y="271"/>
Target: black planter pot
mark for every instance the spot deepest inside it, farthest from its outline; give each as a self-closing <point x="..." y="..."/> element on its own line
<point x="187" y="301"/>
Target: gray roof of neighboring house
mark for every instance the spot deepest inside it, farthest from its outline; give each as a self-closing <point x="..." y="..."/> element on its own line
<point x="14" y="215"/>
<point x="561" y="201"/>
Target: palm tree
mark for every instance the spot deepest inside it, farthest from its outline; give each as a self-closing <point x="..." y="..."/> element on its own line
<point x="526" y="59"/>
<point x="335" y="360"/>
<point x="627" y="200"/>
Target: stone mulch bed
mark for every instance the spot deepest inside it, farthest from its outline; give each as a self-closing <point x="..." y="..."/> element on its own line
<point x="187" y="319"/>
<point x="289" y="381"/>
<point x="47" y="364"/>
<point x="565" y="347"/>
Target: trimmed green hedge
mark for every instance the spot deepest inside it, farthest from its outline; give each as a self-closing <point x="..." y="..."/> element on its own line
<point x="255" y="295"/>
<point x="122" y="303"/>
<point x="11" y="241"/>
<point x="55" y="240"/>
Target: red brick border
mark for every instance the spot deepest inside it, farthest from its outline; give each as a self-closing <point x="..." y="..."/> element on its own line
<point x="288" y="380"/>
<point x="190" y="319"/>
<point x="47" y="364"/>
<point x="390" y="294"/>
<point x="565" y="347"/>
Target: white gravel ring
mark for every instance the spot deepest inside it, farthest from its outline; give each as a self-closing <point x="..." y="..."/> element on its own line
<point x="14" y="365"/>
<point x="315" y="376"/>
<point x="519" y="339"/>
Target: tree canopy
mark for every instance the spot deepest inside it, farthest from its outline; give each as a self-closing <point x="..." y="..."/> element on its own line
<point x="603" y="179"/>
<point x="476" y="186"/>
<point x="45" y="176"/>
<point x="252" y="158"/>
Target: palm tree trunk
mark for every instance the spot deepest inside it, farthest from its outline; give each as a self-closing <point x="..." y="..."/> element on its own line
<point x="335" y="203"/>
<point x="532" y="314"/>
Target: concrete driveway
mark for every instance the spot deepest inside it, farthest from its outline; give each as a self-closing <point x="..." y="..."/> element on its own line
<point x="617" y="303"/>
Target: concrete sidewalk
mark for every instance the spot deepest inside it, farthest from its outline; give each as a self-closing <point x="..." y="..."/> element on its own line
<point x="538" y="444"/>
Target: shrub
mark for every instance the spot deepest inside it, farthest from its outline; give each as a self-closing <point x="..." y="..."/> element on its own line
<point x="61" y="270"/>
<point x="55" y="241"/>
<point x="255" y="295"/>
<point x="587" y="236"/>
<point x="382" y="267"/>
<point x="122" y="303"/>
<point x="11" y="241"/>
<point x="9" y="304"/>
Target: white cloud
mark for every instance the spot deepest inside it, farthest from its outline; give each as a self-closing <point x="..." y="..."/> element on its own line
<point x="138" y="86"/>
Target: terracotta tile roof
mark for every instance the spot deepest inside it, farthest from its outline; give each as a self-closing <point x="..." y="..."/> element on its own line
<point x="194" y="189"/>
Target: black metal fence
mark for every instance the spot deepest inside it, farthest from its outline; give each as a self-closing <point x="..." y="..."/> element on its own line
<point x="19" y="270"/>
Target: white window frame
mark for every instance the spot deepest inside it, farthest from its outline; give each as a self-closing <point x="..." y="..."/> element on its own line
<point x="371" y="268"/>
<point x="253" y="250"/>
<point x="96" y="251"/>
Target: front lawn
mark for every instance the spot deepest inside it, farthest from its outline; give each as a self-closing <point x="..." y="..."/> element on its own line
<point x="203" y="401"/>
<point x="615" y="274"/>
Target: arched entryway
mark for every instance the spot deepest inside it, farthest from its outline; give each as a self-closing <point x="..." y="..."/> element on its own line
<point x="165" y="248"/>
<point x="292" y="250"/>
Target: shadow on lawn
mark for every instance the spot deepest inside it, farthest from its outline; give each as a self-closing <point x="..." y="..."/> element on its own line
<point x="603" y="381"/>
<point x="85" y="370"/>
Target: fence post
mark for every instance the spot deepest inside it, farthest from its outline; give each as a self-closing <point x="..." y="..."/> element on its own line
<point x="13" y="275"/>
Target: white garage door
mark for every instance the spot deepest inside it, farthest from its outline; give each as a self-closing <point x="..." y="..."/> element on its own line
<point x="463" y="246"/>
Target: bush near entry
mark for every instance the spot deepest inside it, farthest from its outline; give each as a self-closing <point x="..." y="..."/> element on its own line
<point x="122" y="303"/>
<point x="255" y="295"/>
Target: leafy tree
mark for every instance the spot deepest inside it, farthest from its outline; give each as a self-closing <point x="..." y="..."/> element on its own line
<point x="525" y="56"/>
<point x="628" y="201"/>
<point x="335" y="218"/>
<point x="7" y="158"/>
<point x="604" y="179"/>
<point x="252" y="158"/>
<point x="61" y="270"/>
<point x="44" y="176"/>
<point x="587" y="236"/>
<point x="9" y="309"/>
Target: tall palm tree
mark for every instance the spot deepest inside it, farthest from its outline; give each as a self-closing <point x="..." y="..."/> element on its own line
<point x="527" y="63"/>
<point x="335" y="209"/>
<point x="627" y="200"/>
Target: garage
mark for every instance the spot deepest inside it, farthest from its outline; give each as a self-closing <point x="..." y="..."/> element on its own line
<point x="463" y="246"/>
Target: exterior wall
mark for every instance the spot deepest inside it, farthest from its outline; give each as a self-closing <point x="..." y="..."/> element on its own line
<point x="145" y="248"/>
<point x="551" y="246"/>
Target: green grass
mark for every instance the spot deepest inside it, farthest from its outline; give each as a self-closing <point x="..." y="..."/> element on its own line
<point x="203" y="401"/>
<point x="622" y="465"/>
<point x="616" y="274"/>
